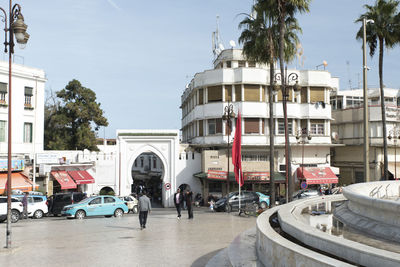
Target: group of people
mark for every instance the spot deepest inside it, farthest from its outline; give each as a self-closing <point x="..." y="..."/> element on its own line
<point x="183" y="197"/>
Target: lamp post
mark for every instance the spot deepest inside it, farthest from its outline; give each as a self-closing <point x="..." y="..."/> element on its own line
<point x="229" y="114"/>
<point x="365" y="96"/>
<point x="17" y="28"/>
<point x="303" y="136"/>
<point x="286" y="79"/>
<point x="395" y="135"/>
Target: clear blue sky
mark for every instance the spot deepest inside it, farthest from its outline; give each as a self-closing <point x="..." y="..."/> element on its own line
<point x="138" y="55"/>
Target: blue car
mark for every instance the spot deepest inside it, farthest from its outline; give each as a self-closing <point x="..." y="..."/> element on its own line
<point x="264" y="200"/>
<point x="96" y="206"/>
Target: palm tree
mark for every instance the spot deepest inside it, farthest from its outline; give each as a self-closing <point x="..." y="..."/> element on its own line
<point x="259" y="44"/>
<point x="287" y="8"/>
<point x="385" y="31"/>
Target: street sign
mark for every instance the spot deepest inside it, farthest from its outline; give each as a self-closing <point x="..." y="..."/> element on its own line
<point x="303" y="185"/>
<point x="167" y="186"/>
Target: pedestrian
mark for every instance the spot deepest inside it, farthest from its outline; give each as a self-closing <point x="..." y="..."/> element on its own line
<point x="144" y="208"/>
<point x="25" y="206"/>
<point x="189" y="200"/>
<point x="178" y="200"/>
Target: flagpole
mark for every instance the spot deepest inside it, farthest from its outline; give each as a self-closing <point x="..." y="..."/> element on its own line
<point x="239" y="191"/>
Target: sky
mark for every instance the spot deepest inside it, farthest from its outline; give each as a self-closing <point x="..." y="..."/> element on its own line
<point x="137" y="56"/>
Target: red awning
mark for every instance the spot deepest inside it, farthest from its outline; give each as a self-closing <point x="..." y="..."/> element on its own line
<point x="18" y="181"/>
<point x="81" y="177"/>
<point x="64" y="179"/>
<point x="317" y="175"/>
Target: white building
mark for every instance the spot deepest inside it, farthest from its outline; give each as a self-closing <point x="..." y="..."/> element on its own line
<point x="244" y="84"/>
<point x="347" y="126"/>
<point x="28" y="86"/>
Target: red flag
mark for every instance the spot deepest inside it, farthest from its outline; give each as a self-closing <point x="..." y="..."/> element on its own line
<point x="236" y="151"/>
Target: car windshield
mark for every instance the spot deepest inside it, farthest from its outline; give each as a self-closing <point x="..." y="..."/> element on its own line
<point x="231" y="194"/>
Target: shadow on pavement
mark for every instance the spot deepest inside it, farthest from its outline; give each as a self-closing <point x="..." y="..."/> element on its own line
<point x="203" y="260"/>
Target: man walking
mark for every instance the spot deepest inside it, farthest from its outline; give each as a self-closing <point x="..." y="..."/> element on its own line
<point x="144" y="208"/>
<point x="25" y="206"/>
<point x="178" y="200"/>
<point x="189" y="200"/>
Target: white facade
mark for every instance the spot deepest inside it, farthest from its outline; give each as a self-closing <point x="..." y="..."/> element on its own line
<point x="348" y="128"/>
<point x="244" y="84"/>
<point x="28" y="89"/>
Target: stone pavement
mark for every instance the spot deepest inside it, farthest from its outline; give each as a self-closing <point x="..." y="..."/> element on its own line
<point x="101" y="241"/>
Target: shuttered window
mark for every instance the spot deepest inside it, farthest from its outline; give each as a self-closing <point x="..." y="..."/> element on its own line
<point x="263" y="126"/>
<point x="214" y="126"/>
<point x="238" y="93"/>
<point x="201" y="96"/>
<point x="228" y="93"/>
<point x="280" y="98"/>
<point x="317" y="94"/>
<point x="215" y="94"/>
<point x="303" y="95"/>
<point x="251" y="92"/>
<point x="2" y="131"/>
<point x="251" y="125"/>
<point x="201" y="131"/>
<point x="263" y="93"/>
<point x="218" y="125"/>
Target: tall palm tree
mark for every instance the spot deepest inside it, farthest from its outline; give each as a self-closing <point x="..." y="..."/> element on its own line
<point x="287" y="8"/>
<point x="259" y="39"/>
<point x="385" y="31"/>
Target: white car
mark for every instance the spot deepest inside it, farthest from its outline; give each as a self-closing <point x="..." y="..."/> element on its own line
<point x="16" y="209"/>
<point x="37" y="205"/>
<point x="131" y="202"/>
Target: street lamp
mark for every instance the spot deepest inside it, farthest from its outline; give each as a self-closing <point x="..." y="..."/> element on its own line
<point x="290" y="78"/>
<point x="229" y="114"/>
<point x="395" y="135"/>
<point x="17" y="28"/>
<point x="303" y="136"/>
<point x="365" y="96"/>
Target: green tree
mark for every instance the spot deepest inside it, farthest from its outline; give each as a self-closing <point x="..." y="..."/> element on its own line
<point x="72" y="118"/>
<point x="259" y="38"/>
<point x="385" y="31"/>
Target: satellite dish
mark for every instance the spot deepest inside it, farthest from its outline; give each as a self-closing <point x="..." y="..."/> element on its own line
<point x="221" y="47"/>
<point x="232" y="43"/>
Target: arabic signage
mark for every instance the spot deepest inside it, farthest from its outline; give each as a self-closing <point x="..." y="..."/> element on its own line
<point x="16" y="165"/>
<point x="47" y="159"/>
<point x="256" y="176"/>
<point x="217" y="175"/>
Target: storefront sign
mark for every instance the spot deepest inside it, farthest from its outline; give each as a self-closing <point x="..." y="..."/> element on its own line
<point x="217" y="175"/>
<point x="256" y="176"/>
<point x="47" y="159"/>
<point x="16" y="165"/>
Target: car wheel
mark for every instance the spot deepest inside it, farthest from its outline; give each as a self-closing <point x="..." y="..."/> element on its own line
<point x="228" y="208"/>
<point x="264" y="205"/>
<point x="118" y="213"/>
<point x="38" y="214"/>
<point x="135" y="209"/>
<point x="15" y="216"/>
<point x="80" y="214"/>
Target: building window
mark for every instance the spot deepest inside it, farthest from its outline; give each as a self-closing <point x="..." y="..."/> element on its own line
<point x="214" y="126"/>
<point x="251" y="126"/>
<point x="28" y="96"/>
<point x="27" y="132"/>
<point x="281" y="126"/>
<point x="135" y="162"/>
<point x="252" y="64"/>
<point x="155" y="163"/>
<point x="317" y="127"/>
<point x="242" y="64"/>
<point x="255" y="157"/>
<point x="228" y="64"/>
<point x="214" y="94"/>
<point x="251" y="92"/>
<point x="3" y="93"/>
<point x="141" y="162"/>
<point x="3" y="125"/>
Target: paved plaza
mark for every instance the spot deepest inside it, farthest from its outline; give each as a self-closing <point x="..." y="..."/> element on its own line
<point x="99" y="241"/>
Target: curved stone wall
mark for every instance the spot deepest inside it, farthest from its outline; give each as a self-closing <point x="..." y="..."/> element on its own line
<point x="375" y="200"/>
<point x="274" y="250"/>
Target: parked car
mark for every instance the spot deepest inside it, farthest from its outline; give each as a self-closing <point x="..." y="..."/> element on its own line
<point x="231" y="201"/>
<point x="307" y="193"/>
<point x="37" y="205"/>
<point x="264" y="200"/>
<point x="60" y="200"/>
<point x="96" y="206"/>
<point x="131" y="202"/>
<point x="16" y="209"/>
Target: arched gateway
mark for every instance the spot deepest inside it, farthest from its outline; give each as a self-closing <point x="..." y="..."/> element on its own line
<point x="163" y="143"/>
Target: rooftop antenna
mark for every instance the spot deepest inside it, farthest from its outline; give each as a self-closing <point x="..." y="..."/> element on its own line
<point x="348" y="73"/>
<point x="232" y="43"/>
<point x="217" y="45"/>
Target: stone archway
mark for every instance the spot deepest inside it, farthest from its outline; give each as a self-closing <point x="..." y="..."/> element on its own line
<point x="164" y="144"/>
